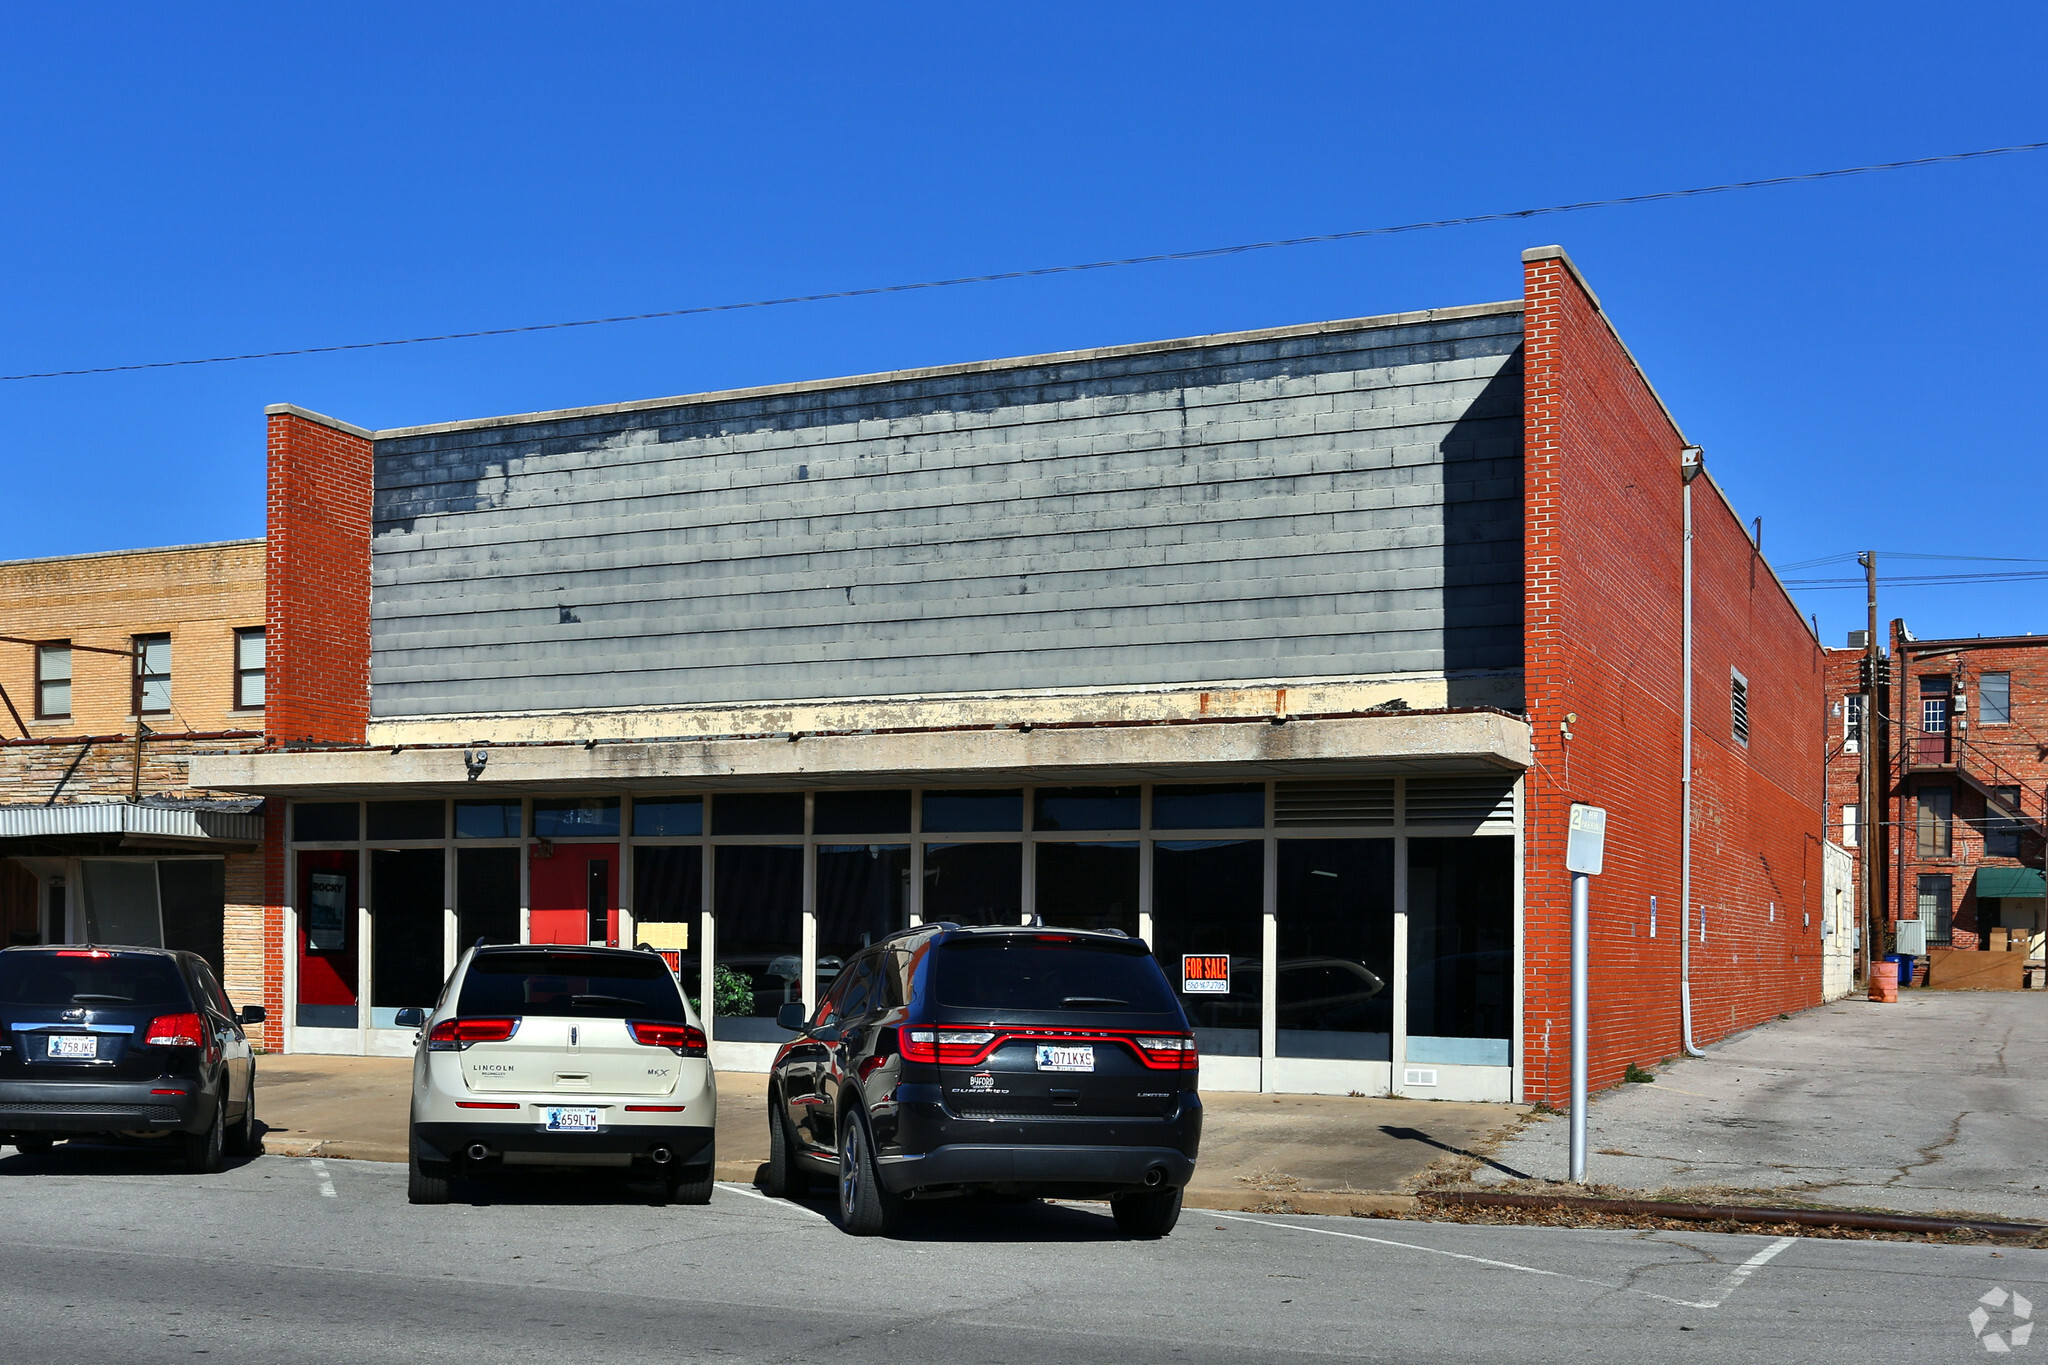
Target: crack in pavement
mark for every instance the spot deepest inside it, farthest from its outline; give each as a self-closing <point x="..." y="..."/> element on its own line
<point x="1931" y="1153"/>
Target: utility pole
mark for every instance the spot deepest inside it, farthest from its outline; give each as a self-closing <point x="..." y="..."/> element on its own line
<point x="1866" y="809"/>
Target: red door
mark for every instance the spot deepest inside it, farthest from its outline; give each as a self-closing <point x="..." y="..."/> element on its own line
<point x="575" y="894"/>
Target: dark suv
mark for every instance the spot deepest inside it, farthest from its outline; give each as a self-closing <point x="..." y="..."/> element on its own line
<point x="134" y="1042"/>
<point x="1016" y="1061"/>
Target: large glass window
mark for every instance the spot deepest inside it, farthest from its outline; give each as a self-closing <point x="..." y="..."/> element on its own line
<point x="578" y="817"/>
<point x="324" y="822"/>
<point x="668" y="889"/>
<point x="328" y="972"/>
<point x="759" y="963"/>
<point x="120" y="902"/>
<point x="758" y="813"/>
<point x="495" y="819"/>
<point x="406" y="930"/>
<point x="973" y="812"/>
<point x="1460" y="950"/>
<point x="407" y="820"/>
<point x="1069" y="808"/>
<point x="974" y="883"/>
<point x="668" y="817"/>
<point x="837" y="812"/>
<point x="486" y="896"/>
<point x="1240" y="805"/>
<point x="1208" y="897"/>
<point x="1336" y="928"/>
<point x="1089" y="886"/>
<point x="192" y="893"/>
<point x="863" y="895"/>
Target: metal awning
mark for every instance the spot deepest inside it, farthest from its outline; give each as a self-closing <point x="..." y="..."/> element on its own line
<point x="2011" y="883"/>
<point x="198" y="822"/>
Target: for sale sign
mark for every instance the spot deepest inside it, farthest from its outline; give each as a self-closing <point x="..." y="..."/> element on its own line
<point x="1205" y="974"/>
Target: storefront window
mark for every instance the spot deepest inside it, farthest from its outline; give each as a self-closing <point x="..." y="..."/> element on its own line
<point x="329" y="822"/>
<point x="487" y="819"/>
<point x="120" y="902"/>
<point x="1074" y="808"/>
<point x="407" y="820"/>
<point x="668" y="817"/>
<point x="1089" y="886"/>
<point x="406" y="930"/>
<point x="1336" y="929"/>
<point x="758" y="966"/>
<point x="668" y="889"/>
<point x="1234" y="806"/>
<point x="837" y="812"/>
<point x="758" y="813"/>
<point x="863" y="895"/>
<point x="1460" y="950"/>
<point x="973" y="812"/>
<point x="585" y="817"/>
<point x="486" y="896"/>
<point x="973" y="883"/>
<point x="1208" y="898"/>
<point x="192" y="895"/>
<point x="327" y="939"/>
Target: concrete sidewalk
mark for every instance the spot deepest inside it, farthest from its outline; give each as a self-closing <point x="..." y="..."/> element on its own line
<point x="1930" y="1105"/>
<point x="1276" y="1153"/>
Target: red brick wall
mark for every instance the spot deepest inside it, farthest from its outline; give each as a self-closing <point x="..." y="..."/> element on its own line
<point x="1604" y="635"/>
<point x="318" y="583"/>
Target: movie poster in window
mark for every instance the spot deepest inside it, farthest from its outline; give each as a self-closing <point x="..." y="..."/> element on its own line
<point x="327" y="915"/>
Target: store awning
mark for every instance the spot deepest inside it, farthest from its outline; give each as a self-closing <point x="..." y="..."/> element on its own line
<point x="2011" y="883"/>
<point x="211" y="822"/>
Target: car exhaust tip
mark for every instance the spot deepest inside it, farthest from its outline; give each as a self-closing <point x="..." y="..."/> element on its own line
<point x="476" y="1151"/>
<point x="1155" y="1177"/>
<point x="662" y="1156"/>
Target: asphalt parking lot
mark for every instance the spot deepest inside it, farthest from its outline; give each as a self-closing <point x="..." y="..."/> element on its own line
<point x="112" y="1256"/>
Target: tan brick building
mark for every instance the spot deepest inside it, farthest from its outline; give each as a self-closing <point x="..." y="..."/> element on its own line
<point x="119" y="668"/>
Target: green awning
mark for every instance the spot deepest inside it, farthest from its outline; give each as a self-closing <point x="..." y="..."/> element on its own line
<point x="2020" y="883"/>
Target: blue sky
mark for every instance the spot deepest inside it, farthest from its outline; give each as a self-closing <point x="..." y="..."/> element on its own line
<point x="1862" y="359"/>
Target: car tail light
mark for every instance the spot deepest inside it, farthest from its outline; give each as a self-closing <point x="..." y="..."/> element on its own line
<point x="453" y="1035"/>
<point x="175" y="1030"/>
<point x="83" y="952"/>
<point x="686" y="1039"/>
<point x="947" y="1047"/>
<point x="654" y="1108"/>
<point x="484" y="1104"/>
<point x="1167" y="1054"/>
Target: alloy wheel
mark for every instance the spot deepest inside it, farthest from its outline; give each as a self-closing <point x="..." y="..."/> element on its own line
<point x="849" y="1169"/>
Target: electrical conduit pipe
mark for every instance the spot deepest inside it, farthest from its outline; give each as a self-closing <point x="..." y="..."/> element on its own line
<point x="1691" y="462"/>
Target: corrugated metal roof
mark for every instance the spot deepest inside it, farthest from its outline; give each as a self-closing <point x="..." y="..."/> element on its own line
<point x="119" y="817"/>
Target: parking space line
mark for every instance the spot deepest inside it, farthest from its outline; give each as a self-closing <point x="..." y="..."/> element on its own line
<point x="1727" y="1287"/>
<point x="751" y="1193"/>
<point x="326" y="1181"/>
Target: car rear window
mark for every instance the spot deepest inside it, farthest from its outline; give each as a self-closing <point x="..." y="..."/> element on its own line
<point x="586" y="985"/>
<point x="138" y="979"/>
<point x="1021" y="972"/>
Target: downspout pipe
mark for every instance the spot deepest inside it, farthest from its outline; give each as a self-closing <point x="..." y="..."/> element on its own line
<point x="1691" y="462"/>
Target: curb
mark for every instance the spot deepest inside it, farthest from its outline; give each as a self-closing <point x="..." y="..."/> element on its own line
<point x="1740" y="1213"/>
<point x="1354" y="1203"/>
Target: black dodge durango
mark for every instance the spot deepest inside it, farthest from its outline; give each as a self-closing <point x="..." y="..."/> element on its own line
<point x="1017" y="1061"/>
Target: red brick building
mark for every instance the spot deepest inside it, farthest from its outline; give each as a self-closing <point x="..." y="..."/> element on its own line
<point x="1967" y="786"/>
<point x="1293" y="646"/>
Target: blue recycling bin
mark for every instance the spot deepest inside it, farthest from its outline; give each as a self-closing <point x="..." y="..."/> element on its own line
<point x="1904" y="963"/>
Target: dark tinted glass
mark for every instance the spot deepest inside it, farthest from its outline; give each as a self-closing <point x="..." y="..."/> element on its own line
<point x="1211" y="807"/>
<point x="1208" y="896"/>
<point x="1084" y="808"/>
<point x="48" y="979"/>
<point x="668" y="888"/>
<point x="192" y="892"/>
<point x="1088" y="886"/>
<point x="668" y="817"/>
<point x="758" y="967"/>
<point x="581" y="985"/>
<point x="586" y="817"/>
<point x="487" y="819"/>
<point x="1017" y="972"/>
<point x="863" y="894"/>
<point x="324" y="821"/>
<point x="974" y="883"/>
<point x="407" y="820"/>
<point x="406" y="899"/>
<point x="758" y="813"/>
<point x="1461" y="907"/>
<point x="861" y="812"/>
<point x="973" y="812"/>
<point x="1336" y="928"/>
<point x="486" y="896"/>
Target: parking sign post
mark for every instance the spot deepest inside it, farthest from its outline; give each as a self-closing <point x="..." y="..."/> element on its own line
<point x="1584" y="852"/>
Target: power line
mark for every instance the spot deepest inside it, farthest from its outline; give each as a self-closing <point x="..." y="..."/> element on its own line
<point x="1919" y="580"/>
<point x="1204" y="253"/>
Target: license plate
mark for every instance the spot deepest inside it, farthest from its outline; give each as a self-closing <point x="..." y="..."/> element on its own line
<point x="571" y="1120"/>
<point x="1066" y="1058"/>
<point x="74" y="1046"/>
